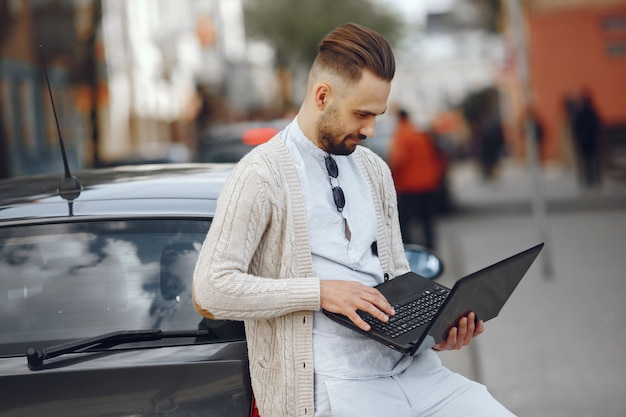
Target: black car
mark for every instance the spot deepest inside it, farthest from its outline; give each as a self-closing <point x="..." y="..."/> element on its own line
<point x="96" y="316"/>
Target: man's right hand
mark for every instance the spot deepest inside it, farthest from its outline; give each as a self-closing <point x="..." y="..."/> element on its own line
<point x="346" y="297"/>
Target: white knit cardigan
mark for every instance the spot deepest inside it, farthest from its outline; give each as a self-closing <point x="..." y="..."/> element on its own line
<point x="255" y="265"/>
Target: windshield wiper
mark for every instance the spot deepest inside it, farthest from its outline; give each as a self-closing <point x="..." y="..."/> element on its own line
<point x="36" y="357"/>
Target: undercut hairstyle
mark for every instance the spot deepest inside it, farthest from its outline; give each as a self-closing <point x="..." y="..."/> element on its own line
<point x="352" y="48"/>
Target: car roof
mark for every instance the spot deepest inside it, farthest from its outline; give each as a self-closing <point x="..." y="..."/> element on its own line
<point x="160" y="190"/>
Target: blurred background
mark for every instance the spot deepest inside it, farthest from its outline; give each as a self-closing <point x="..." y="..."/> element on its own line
<point x="524" y="99"/>
<point x="145" y="80"/>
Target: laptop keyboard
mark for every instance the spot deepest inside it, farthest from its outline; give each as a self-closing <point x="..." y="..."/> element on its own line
<point x="412" y="315"/>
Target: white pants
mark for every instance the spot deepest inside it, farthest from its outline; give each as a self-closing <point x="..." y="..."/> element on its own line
<point x="425" y="389"/>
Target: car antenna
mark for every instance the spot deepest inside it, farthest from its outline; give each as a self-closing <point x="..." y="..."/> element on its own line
<point x="69" y="186"/>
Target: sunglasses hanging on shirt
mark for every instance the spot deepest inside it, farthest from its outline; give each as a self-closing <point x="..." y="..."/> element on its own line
<point x="338" y="195"/>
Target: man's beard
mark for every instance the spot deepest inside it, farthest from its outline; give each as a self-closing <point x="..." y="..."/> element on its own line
<point x="329" y="127"/>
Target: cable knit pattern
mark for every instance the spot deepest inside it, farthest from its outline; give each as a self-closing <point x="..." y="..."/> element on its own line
<point x="255" y="265"/>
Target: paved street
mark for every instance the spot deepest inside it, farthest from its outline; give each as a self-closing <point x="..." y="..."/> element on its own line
<point x="557" y="348"/>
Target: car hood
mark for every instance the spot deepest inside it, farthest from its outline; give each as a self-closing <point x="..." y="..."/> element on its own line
<point x="142" y="189"/>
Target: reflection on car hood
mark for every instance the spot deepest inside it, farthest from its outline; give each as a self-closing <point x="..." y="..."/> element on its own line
<point x="139" y="189"/>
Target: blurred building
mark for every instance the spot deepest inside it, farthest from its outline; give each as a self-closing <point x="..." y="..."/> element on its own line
<point x="455" y="54"/>
<point x="132" y="80"/>
<point x="572" y="45"/>
<point x="136" y="80"/>
<point x="29" y="33"/>
<point x="165" y="60"/>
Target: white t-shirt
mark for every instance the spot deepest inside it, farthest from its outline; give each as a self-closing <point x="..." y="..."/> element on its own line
<point x="337" y="351"/>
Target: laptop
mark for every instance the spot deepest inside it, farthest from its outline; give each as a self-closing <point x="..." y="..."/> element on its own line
<point x="426" y="310"/>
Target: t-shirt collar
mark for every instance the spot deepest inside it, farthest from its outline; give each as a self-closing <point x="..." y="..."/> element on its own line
<point x="304" y="143"/>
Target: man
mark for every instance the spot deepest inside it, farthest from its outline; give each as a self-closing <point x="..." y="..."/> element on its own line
<point x="417" y="171"/>
<point x="307" y="221"/>
<point x="587" y="128"/>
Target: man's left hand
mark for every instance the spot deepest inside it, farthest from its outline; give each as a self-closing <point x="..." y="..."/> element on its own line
<point x="462" y="334"/>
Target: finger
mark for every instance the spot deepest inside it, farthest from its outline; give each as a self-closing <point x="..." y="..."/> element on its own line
<point x="471" y="327"/>
<point x="374" y="311"/>
<point x="368" y="304"/>
<point x="461" y="333"/>
<point x="380" y="302"/>
<point x="451" y="340"/>
<point x="442" y="345"/>
<point x="375" y="304"/>
<point x="480" y="327"/>
<point x="361" y="324"/>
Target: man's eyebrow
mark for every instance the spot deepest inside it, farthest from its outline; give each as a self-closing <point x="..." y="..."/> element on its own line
<point x="371" y="113"/>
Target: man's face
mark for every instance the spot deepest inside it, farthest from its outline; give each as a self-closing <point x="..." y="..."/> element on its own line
<point x="350" y="116"/>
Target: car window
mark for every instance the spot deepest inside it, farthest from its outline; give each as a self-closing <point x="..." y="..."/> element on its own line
<point x="81" y="279"/>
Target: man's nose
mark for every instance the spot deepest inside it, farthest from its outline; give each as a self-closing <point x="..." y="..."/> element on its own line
<point x="368" y="127"/>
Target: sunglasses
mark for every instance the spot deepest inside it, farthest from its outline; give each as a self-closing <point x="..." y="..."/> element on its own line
<point x="333" y="172"/>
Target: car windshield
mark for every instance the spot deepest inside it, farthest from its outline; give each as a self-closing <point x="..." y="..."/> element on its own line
<point x="73" y="280"/>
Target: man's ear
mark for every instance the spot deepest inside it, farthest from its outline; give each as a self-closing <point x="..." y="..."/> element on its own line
<point x="322" y="95"/>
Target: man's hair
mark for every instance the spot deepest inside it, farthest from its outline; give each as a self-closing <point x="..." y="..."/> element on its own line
<point x="352" y="48"/>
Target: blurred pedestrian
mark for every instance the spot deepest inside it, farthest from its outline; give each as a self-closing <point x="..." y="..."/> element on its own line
<point x="569" y="106"/>
<point x="587" y="129"/>
<point x="533" y="127"/>
<point x="416" y="167"/>
<point x="491" y="145"/>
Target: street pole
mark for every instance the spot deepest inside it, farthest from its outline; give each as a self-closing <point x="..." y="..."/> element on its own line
<point x="539" y="211"/>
